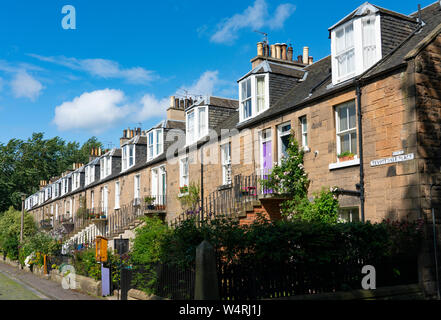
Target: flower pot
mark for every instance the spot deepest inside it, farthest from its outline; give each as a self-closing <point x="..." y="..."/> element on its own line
<point x="346" y="158"/>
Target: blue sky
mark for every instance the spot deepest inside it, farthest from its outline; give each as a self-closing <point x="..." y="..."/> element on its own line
<point x="125" y="58"/>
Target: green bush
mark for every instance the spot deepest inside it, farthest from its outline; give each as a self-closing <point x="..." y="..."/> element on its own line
<point x="10" y="224"/>
<point x="39" y="243"/>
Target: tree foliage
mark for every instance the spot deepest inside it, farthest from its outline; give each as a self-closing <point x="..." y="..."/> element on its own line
<point x="24" y="163"/>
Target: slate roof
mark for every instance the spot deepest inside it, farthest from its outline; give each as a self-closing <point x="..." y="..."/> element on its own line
<point x="215" y="102"/>
<point x="318" y="82"/>
<point x="276" y="68"/>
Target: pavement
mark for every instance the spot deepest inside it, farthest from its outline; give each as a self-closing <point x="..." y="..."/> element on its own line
<point x="17" y="284"/>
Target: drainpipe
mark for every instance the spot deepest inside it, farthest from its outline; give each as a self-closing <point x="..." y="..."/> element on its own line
<point x="435" y="249"/>
<point x="360" y="143"/>
<point x="202" y="180"/>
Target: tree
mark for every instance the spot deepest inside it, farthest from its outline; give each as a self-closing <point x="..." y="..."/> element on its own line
<point x="24" y="163"/>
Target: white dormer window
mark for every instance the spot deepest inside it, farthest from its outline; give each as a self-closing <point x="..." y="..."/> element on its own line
<point x="128" y="156"/>
<point x="89" y="174"/>
<point x="356" y="44"/>
<point x="197" y="124"/>
<point x="154" y="143"/>
<point x="75" y="180"/>
<point x="345" y="50"/>
<point x="105" y="167"/>
<point x="253" y="96"/>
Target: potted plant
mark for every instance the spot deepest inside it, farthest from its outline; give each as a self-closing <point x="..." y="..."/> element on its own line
<point x="149" y="202"/>
<point x="346" y="156"/>
<point x="183" y="190"/>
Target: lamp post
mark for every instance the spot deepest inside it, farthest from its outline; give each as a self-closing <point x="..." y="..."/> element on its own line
<point x="23" y="198"/>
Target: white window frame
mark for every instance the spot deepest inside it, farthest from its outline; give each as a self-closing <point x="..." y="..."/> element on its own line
<point x="348" y="131"/>
<point x="184" y="178"/>
<point x="226" y="163"/>
<point x="360" y="66"/>
<point x="304" y="132"/>
<point x="105" y="167"/>
<point x="280" y="135"/>
<point x="92" y="199"/>
<point x="155" y="147"/>
<point x="126" y="158"/>
<point x="254" y="112"/>
<point x="352" y="211"/>
<point x="137" y="187"/>
<point x="117" y="194"/>
<point x="195" y="132"/>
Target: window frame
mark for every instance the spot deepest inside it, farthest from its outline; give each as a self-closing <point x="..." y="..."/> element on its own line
<point x="194" y="131"/>
<point x="117" y="195"/>
<point x="152" y="146"/>
<point x="226" y="163"/>
<point x="339" y="133"/>
<point x="184" y="180"/>
<point x="280" y="135"/>
<point x="254" y="98"/>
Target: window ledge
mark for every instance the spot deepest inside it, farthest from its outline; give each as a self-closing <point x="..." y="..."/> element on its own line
<point x="344" y="164"/>
<point x="182" y="194"/>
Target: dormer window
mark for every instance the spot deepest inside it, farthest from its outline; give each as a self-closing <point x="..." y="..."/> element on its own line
<point x="197" y="124"/>
<point x="105" y="167"/>
<point x="75" y="180"/>
<point x="128" y="156"/>
<point x="253" y="96"/>
<point x="345" y="50"/>
<point x="89" y="173"/>
<point x="355" y="43"/>
<point x="154" y="144"/>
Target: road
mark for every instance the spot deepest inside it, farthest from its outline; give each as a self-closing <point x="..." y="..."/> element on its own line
<point x="16" y="284"/>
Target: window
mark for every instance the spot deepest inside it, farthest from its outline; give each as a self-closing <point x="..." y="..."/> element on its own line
<point x="260" y="94"/>
<point x="190" y="126"/>
<point x="348" y="215"/>
<point x="345" y="50"/>
<point x="117" y="194"/>
<point x="304" y="131"/>
<point x="346" y="128"/>
<point x="226" y="163"/>
<point x="104" y="200"/>
<point x="92" y="199"/>
<point x="137" y="194"/>
<point x="89" y="174"/>
<point x="183" y="168"/>
<point x="246" y="99"/>
<point x="105" y="166"/>
<point x="253" y="96"/>
<point x="369" y="42"/>
<point x="75" y="180"/>
<point x="158" y="190"/>
<point x="154" y="143"/>
<point x="201" y="122"/>
<point x="197" y="124"/>
<point x="128" y="156"/>
<point x="284" y="132"/>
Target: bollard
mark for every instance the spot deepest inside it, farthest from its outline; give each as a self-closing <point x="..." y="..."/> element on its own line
<point x="206" y="286"/>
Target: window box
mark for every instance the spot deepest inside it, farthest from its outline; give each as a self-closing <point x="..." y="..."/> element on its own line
<point x="345" y="157"/>
<point x="344" y="164"/>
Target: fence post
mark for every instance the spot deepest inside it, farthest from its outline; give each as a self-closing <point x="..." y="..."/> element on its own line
<point x="206" y="285"/>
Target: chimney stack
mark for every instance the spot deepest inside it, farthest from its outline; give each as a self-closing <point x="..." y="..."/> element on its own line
<point x="176" y="110"/>
<point x="311" y="60"/>
<point x="305" y="55"/>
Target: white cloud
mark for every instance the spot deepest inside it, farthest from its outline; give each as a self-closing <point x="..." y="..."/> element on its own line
<point x="152" y="107"/>
<point x="283" y="12"/>
<point x="95" y="111"/>
<point x="254" y="17"/>
<point x="25" y="86"/>
<point x="101" y="68"/>
<point x="204" y="86"/>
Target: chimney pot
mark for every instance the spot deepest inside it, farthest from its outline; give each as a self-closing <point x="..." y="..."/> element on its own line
<point x="273" y="51"/>
<point x="311" y="60"/>
<point x="305" y="55"/>
<point x="172" y="102"/>
<point x="290" y="53"/>
<point x="260" y="49"/>
<point x="283" y="47"/>
<point x="278" y="51"/>
<point x="300" y="58"/>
